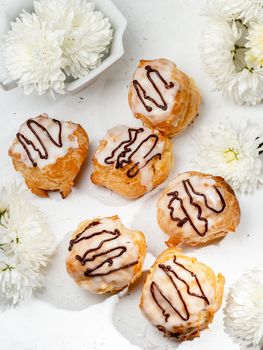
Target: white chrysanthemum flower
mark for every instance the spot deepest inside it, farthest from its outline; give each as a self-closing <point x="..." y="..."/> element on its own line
<point x="255" y="44"/>
<point x="3" y="207"/>
<point x="33" y="55"/>
<point x="17" y="282"/>
<point x="226" y="48"/>
<point x="88" y="33"/>
<point x="218" y="43"/>
<point x="233" y="153"/>
<point x="244" y="309"/>
<point x="215" y="9"/>
<point x="245" y="86"/>
<point x="245" y="9"/>
<point x="25" y="225"/>
<point x="25" y="247"/>
<point x="235" y="9"/>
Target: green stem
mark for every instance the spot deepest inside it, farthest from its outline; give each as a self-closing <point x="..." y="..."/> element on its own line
<point x="251" y="69"/>
<point x="8" y="267"/>
<point x="237" y="47"/>
<point x="241" y="22"/>
<point x="2" y="216"/>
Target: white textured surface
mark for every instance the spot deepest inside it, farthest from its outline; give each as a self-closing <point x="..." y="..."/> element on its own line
<point x="59" y="319"/>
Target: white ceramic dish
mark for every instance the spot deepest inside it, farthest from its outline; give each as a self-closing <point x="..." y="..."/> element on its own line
<point x="11" y="10"/>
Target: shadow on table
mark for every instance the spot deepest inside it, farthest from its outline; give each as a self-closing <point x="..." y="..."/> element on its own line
<point x="60" y="290"/>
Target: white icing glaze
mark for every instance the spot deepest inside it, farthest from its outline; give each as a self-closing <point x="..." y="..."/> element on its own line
<point x="200" y="184"/>
<point x="122" y="277"/>
<point x="194" y="304"/>
<point x="120" y="134"/>
<point x="157" y="115"/>
<point x="54" y="152"/>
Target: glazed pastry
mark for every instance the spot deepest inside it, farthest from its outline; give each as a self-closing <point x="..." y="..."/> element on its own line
<point x="163" y="97"/>
<point x="104" y="256"/>
<point x="49" y="154"/>
<point x="197" y="208"/>
<point x="181" y="295"/>
<point x="132" y="161"/>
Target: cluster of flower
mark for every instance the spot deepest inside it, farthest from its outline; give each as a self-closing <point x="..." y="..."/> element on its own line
<point x="233" y="152"/>
<point x="60" y="38"/>
<point x="244" y="309"/>
<point x="25" y="246"/>
<point x="232" y="48"/>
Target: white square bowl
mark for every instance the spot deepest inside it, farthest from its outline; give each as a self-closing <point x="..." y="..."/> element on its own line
<point x="12" y="9"/>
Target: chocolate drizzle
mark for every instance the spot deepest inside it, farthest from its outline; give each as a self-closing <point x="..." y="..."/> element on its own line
<point x="87" y="256"/>
<point x="25" y="142"/>
<point x="139" y="89"/>
<point x="174" y="277"/>
<point x="126" y="155"/>
<point x="188" y="187"/>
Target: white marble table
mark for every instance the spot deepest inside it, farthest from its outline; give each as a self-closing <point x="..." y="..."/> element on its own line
<point x="64" y="317"/>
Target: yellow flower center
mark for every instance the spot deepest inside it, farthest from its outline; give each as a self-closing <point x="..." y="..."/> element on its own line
<point x="231" y="154"/>
<point x="255" y="39"/>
